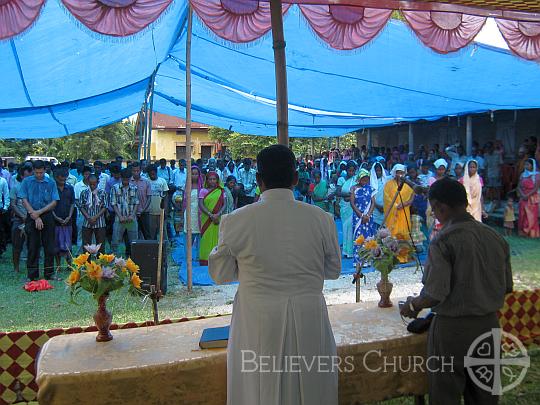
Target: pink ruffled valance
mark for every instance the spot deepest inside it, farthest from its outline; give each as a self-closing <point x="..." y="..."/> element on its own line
<point x="17" y="15"/>
<point x="444" y="32"/>
<point x="345" y="27"/>
<point x="522" y="37"/>
<point x="118" y="18"/>
<point x="238" y="21"/>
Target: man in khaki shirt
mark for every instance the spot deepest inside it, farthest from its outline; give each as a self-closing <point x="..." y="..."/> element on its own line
<point x="466" y="277"/>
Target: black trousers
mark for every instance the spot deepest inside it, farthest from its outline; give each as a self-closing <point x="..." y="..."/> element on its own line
<point x="452" y="338"/>
<point x="143" y="222"/>
<point x="5" y="230"/>
<point x="37" y="239"/>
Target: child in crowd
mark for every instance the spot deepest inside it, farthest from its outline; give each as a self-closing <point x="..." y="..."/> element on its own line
<point x="178" y="214"/>
<point x="417" y="235"/>
<point x="509" y="216"/>
<point x="332" y="188"/>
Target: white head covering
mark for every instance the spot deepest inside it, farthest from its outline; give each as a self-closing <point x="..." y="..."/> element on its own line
<point x="469" y="181"/>
<point x="527" y="173"/>
<point x="398" y="166"/>
<point x="440" y="162"/>
<point x="373" y="180"/>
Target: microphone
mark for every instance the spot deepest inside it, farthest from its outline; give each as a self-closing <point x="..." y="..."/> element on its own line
<point x="418" y="189"/>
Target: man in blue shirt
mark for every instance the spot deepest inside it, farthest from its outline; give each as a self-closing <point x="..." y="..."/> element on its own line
<point x="39" y="194"/>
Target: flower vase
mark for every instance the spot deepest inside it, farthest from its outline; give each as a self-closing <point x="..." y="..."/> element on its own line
<point x="384" y="287"/>
<point x="103" y="320"/>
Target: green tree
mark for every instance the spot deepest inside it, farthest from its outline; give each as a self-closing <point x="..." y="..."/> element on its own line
<point x="101" y="143"/>
<point x="249" y="145"/>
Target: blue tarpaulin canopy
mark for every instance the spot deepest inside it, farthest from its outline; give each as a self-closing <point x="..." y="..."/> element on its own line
<point x="59" y="78"/>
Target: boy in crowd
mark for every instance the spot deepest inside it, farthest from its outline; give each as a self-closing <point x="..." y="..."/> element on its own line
<point x="93" y="204"/>
<point x="63" y="213"/>
<point x="125" y="202"/>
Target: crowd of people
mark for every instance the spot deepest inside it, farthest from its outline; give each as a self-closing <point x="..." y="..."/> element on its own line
<point x="112" y="204"/>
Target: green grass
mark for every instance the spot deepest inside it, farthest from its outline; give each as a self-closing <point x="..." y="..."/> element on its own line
<point x="22" y="310"/>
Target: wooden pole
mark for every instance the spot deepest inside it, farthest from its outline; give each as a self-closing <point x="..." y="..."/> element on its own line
<point x="187" y="194"/>
<point x="411" y="139"/>
<point x="469" y="135"/>
<point x="282" y="103"/>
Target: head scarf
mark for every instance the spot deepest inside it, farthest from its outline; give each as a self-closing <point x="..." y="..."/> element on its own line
<point x="212" y="172"/>
<point x="470" y="182"/>
<point x="398" y="167"/>
<point x="440" y="162"/>
<point x="200" y="184"/>
<point x="526" y="173"/>
<point x="374" y="181"/>
<point x="362" y="173"/>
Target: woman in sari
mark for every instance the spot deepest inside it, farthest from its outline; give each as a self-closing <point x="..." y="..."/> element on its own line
<point x="231" y="194"/>
<point x="363" y="204"/>
<point x="319" y="194"/>
<point x="529" y="199"/>
<point x="377" y="181"/>
<point x="196" y="186"/>
<point x="344" y="186"/>
<point x="398" y="218"/>
<point x="212" y="205"/>
<point x="473" y="185"/>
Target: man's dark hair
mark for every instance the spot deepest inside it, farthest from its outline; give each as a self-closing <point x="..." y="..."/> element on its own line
<point x="86" y="169"/>
<point x="135" y="164"/>
<point x="98" y="163"/>
<point x="163" y="160"/>
<point x="93" y="176"/>
<point x="276" y="166"/>
<point x="449" y="192"/>
<point x="115" y="168"/>
<point x="151" y="168"/>
<point x="38" y="164"/>
<point x="61" y="172"/>
<point x="125" y="173"/>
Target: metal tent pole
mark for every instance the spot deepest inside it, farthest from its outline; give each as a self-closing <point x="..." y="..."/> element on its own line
<point x="187" y="194"/>
<point x="281" y="72"/>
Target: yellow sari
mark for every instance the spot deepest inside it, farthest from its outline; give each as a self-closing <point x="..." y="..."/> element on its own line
<point x="396" y="222"/>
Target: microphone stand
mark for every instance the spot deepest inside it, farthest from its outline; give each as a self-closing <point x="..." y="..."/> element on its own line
<point x="155" y="291"/>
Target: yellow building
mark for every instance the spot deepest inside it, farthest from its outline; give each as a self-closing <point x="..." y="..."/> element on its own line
<point x="169" y="139"/>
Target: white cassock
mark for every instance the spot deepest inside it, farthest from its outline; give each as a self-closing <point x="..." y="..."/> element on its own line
<point x="281" y="251"/>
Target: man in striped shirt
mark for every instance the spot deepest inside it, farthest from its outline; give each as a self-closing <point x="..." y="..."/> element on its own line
<point x="125" y="202"/>
<point x="93" y="203"/>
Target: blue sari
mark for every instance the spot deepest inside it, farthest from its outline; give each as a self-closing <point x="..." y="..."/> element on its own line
<point x="362" y="201"/>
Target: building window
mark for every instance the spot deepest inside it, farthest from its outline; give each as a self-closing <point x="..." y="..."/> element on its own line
<point x="181" y="152"/>
<point x="206" y="152"/>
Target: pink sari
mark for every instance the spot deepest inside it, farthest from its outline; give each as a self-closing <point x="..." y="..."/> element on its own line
<point x="528" y="209"/>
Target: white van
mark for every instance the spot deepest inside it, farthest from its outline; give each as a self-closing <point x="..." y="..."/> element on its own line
<point x="53" y="160"/>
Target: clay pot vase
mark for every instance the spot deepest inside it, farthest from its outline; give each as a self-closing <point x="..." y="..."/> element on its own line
<point x="103" y="320"/>
<point x="384" y="287"/>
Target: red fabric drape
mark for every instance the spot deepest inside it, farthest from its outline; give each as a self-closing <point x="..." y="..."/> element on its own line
<point x="522" y="37"/>
<point x="444" y="32"/>
<point x="17" y="16"/>
<point x="345" y="27"/>
<point x="237" y="21"/>
<point x="117" y="18"/>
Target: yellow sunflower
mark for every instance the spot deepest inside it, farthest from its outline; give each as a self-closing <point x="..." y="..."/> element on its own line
<point x="81" y="259"/>
<point x="403" y="255"/>
<point x="371" y="244"/>
<point x="107" y="258"/>
<point x="74" y="276"/>
<point x="94" y="271"/>
<point x="131" y="266"/>
<point x="136" y="281"/>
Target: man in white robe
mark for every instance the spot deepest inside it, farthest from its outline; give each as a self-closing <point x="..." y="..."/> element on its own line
<point x="281" y="347"/>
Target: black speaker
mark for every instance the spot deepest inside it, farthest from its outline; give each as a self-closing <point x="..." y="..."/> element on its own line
<point x="145" y="254"/>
